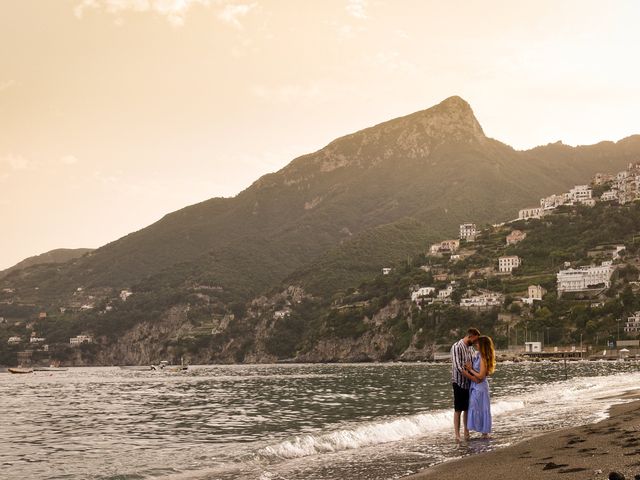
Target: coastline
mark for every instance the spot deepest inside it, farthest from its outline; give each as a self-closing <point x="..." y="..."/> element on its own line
<point x="589" y="451"/>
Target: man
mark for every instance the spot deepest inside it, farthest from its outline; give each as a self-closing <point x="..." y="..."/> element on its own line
<point x="461" y="353"/>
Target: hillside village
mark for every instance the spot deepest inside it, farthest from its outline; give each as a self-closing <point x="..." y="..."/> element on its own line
<point x="589" y="281"/>
<point x="554" y="277"/>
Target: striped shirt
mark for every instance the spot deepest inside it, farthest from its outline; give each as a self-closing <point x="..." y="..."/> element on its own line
<point x="461" y="353"/>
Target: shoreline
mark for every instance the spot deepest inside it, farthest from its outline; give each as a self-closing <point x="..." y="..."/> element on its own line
<point x="583" y="452"/>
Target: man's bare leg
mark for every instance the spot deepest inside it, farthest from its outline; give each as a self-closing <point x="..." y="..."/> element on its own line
<point x="466" y="430"/>
<point x="456" y="424"/>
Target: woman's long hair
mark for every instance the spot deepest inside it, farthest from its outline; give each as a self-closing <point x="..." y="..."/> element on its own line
<point x="488" y="352"/>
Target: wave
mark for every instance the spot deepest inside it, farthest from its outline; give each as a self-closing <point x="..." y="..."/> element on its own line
<point x="373" y="433"/>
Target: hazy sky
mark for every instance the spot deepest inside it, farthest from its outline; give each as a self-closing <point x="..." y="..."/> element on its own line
<point x="116" y="112"/>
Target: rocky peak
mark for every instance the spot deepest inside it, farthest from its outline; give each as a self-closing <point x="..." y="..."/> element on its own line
<point x="412" y="136"/>
<point x="452" y="117"/>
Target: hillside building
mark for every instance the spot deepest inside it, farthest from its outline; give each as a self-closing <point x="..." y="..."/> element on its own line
<point x="508" y="263"/>
<point x="609" y="196"/>
<point x="386" y="271"/>
<point x="580" y="194"/>
<point x="633" y="323"/>
<point x="14" y="340"/>
<point x="80" y="339"/>
<point x="35" y="339"/>
<point x="484" y="300"/>
<point x="534" y="294"/>
<point x="551" y="202"/>
<point x="515" y="237"/>
<point x="468" y="232"/>
<point x="445" y="292"/>
<point x="421" y="293"/>
<point x="446" y="246"/>
<point x="281" y="313"/>
<point x="527" y="213"/>
<point x="584" y="278"/>
<point x="124" y="294"/>
<point x="601" y="178"/>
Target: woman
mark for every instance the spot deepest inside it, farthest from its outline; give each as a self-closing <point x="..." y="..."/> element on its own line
<point x="484" y="363"/>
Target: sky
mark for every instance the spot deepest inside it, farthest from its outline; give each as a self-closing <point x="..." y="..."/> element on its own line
<point x="114" y="113"/>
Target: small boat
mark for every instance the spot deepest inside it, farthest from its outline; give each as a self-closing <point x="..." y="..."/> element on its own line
<point x="20" y="370"/>
<point x="166" y="367"/>
<point x="50" y="369"/>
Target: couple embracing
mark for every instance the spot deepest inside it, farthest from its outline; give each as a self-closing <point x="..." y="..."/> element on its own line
<point x="470" y="369"/>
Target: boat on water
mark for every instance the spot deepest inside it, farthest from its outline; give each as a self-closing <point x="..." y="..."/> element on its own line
<point x="20" y="370"/>
<point x="165" y="366"/>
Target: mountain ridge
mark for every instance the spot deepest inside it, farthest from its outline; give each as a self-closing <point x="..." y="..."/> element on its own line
<point x="435" y="165"/>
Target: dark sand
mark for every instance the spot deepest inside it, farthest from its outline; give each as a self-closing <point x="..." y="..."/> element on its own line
<point x="579" y="453"/>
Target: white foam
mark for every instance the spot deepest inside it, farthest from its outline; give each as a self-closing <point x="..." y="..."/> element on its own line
<point x="373" y="433"/>
<point x="580" y="393"/>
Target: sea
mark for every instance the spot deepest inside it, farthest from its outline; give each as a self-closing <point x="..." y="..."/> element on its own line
<point x="279" y="422"/>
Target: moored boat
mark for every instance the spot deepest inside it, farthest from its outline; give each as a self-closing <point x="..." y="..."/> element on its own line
<point x="20" y="370"/>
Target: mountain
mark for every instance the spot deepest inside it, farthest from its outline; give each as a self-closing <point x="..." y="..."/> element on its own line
<point x="59" y="255"/>
<point x="208" y="279"/>
<point x="434" y="166"/>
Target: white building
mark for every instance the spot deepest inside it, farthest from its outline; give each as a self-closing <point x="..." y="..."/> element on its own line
<point x="468" y="232"/>
<point x="482" y="300"/>
<point x="14" y="340"/>
<point x="281" y="314"/>
<point x="422" y="292"/>
<point x="35" y="339"/>
<point x="527" y="213"/>
<point x="445" y="292"/>
<point x="80" y="339"/>
<point x="124" y="294"/>
<point x="534" y="294"/>
<point x="386" y="271"/>
<point x="580" y="194"/>
<point x="633" y="323"/>
<point x="609" y="196"/>
<point x="532" y="347"/>
<point x="507" y="264"/>
<point x="584" y="278"/>
<point x="551" y="202"/>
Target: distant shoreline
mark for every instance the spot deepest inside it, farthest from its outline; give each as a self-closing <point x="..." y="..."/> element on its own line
<point x="572" y="453"/>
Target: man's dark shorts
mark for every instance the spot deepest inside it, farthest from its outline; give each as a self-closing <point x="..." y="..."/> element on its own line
<point x="460" y="398"/>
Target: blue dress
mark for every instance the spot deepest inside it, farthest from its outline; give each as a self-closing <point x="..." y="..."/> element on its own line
<point x="479" y="414"/>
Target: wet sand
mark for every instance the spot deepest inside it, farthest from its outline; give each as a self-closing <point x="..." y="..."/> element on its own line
<point x="585" y="452"/>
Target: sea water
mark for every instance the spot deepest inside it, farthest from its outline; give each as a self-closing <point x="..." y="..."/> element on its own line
<point x="276" y="422"/>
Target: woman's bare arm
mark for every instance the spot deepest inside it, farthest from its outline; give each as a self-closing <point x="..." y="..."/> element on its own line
<point x="481" y="375"/>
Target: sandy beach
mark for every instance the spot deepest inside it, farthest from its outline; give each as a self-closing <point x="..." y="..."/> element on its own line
<point x="583" y="452"/>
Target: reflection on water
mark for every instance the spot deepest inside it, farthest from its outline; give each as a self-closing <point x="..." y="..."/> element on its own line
<point x="371" y="421"/>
